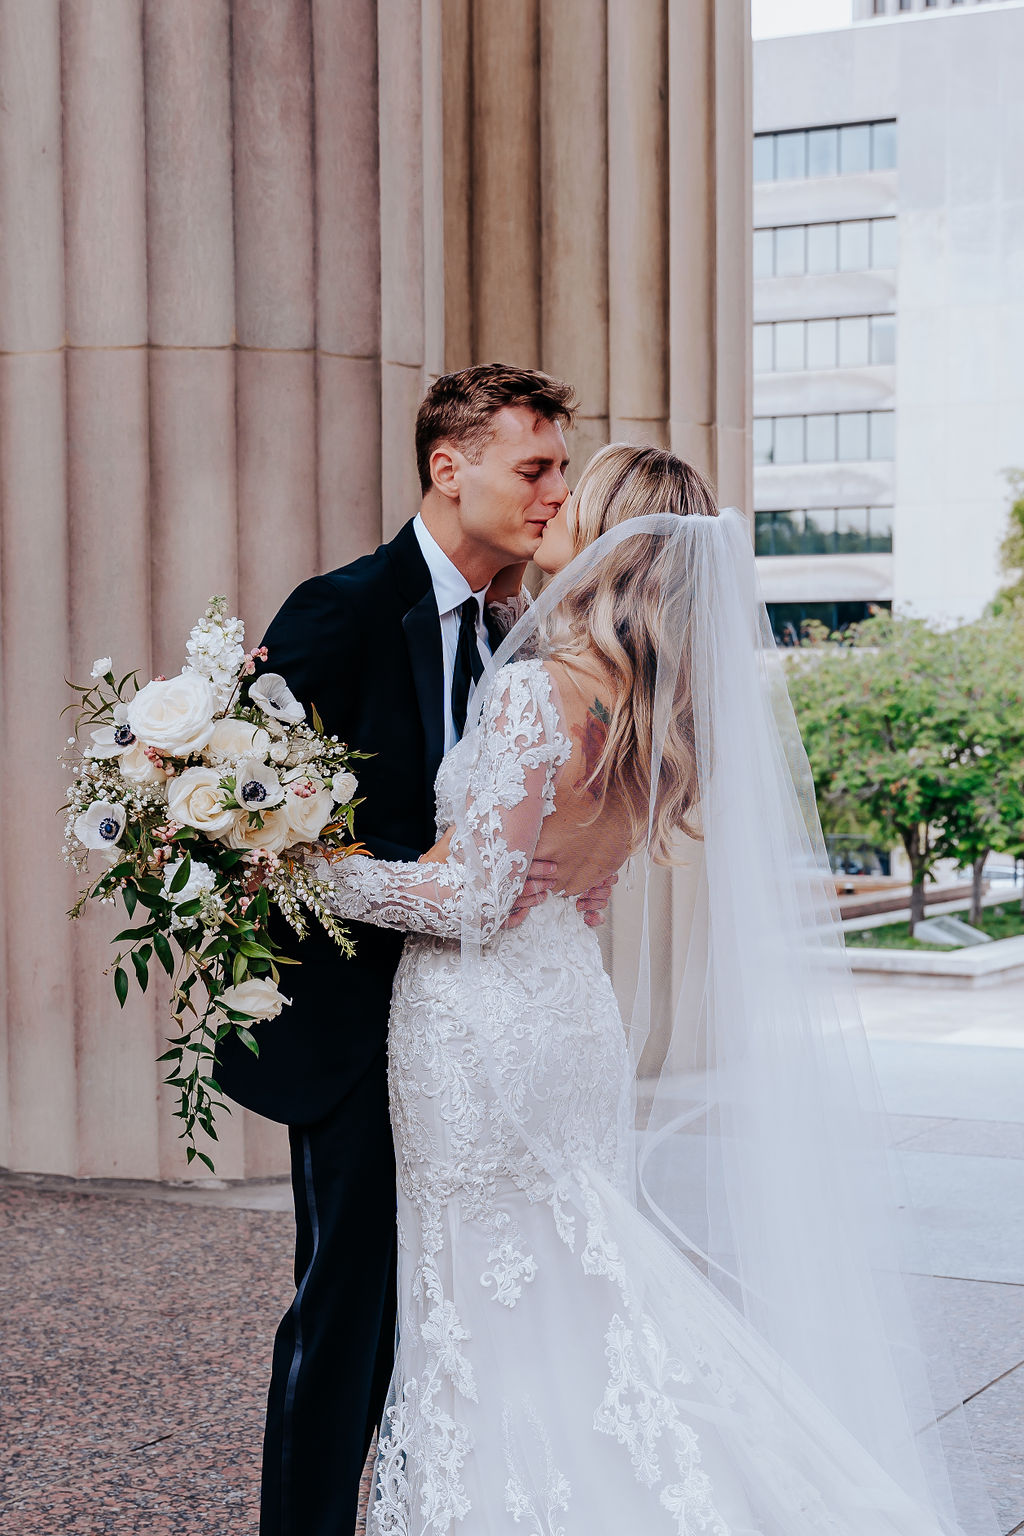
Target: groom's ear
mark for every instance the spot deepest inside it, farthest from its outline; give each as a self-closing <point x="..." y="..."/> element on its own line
<point x="444" y="471"/>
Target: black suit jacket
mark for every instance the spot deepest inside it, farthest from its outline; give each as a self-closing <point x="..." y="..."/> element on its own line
<point x="363" y="644"/>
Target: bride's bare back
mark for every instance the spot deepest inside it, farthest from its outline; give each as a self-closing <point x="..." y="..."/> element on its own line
<point x="587" y="840"/>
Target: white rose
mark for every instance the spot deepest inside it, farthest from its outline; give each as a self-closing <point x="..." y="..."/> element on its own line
<point x="234" y="739"/>
<point x="307" y="815"/>
<point x="201" y="878"/>
<point x="196" y="799"/>
<point x="101" y="825"/>
<point x="257" y="997"/>
<point x="175" y="716"/>
<point x="135" y="766"/>
<point x="273" y="835"/>
<point x="101" y="666"/>
<point x="279" y="752"/>
<point x="271" y="693"/>
<point x="343" y="787"/>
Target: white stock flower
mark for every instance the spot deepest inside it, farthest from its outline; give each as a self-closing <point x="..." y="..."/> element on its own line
<point x="256" y="997"/>
<point x="176" y="715"/>
<point x="201" y="878"/>
<point x="273" y="835"/>
<point x="271" y="693"/>
<point x="215" y="649"/>
<point x="257" y="787"/>
<point x="343" y="787"/>
<point x="196" y="799"/>
<point x="101" y="666"/>
<point x="100" y="825"/>
<point x="307" y="814"/>
<point x="235" y="739"/>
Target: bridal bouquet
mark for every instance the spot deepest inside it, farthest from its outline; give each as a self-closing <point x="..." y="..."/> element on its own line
<point x="199" y="794"/>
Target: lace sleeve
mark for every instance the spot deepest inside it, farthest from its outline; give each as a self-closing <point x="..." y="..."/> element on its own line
<point x="510" y="788"/>
<point x="507" y="615"/>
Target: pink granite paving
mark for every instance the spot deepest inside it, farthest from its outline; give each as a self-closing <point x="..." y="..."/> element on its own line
<point x="135" y="1341"/>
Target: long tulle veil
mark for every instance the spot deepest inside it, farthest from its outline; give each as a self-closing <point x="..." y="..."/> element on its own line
<point x="760" y="1143"/>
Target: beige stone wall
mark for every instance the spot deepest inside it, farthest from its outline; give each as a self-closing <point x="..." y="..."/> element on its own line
<point x="236" y="240"/>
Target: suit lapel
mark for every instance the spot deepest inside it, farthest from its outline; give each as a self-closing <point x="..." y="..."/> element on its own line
<point x="422" y="630"/>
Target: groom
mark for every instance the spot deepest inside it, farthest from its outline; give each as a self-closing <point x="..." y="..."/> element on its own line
<point x="388" y="649"/>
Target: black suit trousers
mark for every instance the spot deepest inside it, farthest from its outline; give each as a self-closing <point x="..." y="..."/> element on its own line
<point x="334" y="1349"/>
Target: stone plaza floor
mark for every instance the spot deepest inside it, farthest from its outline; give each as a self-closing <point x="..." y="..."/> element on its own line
<point x="136" y="1324"/>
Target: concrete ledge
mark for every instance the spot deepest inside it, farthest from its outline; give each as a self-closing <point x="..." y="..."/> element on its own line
<point x="985" y="963"/>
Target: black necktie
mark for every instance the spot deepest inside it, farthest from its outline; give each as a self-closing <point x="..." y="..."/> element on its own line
<point x="469" y="664"/>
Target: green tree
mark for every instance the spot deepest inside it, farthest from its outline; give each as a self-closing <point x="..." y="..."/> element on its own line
<point x="987" y="756"/>
<point x="919" y="734"/>
<point x="874" y="710"/>
<point x="1011" y="551"/>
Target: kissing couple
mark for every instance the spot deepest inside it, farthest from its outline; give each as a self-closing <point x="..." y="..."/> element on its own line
<point x="587" y="1258"/>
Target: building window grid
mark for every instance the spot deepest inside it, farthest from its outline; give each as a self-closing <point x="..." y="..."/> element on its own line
<point x="842" y="150"/>
<point x="824" y="531"/>
<point x="842" y="245"/>
<point x="824" y="437"/>
<point x="849" y="341"/>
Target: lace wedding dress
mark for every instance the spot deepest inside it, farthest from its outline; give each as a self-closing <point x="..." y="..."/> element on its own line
<point x="561" y="1370"/>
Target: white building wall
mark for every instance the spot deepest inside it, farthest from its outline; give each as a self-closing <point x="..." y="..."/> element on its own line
<point x="952" y="80"/>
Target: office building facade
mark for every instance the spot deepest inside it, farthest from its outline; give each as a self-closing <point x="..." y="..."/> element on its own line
<point x="888" y="309"/>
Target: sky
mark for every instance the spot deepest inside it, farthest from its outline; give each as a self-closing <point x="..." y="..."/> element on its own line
<point x="775" y="18"/>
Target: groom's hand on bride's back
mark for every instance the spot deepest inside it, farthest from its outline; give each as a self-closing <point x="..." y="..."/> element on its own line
<point x="543" y="877"/>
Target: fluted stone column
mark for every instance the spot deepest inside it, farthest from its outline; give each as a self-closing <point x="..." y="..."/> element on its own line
<point x="230" y="262"/>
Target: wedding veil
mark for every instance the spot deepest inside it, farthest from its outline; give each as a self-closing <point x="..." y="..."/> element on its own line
<point x="760" y="1143"/>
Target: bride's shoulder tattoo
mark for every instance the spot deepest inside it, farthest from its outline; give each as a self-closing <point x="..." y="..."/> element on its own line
<point x="592" y="735"/>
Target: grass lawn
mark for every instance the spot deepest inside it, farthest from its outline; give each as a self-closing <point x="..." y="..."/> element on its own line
<point x="1002" y="922"/>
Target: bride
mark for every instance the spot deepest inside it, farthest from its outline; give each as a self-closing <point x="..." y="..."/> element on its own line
<point x="650" y="1271"/>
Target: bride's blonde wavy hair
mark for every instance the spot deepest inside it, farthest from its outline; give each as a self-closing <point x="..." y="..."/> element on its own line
<point x="620" y="611"/>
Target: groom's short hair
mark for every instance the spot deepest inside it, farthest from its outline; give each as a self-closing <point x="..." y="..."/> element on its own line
<point x="458" y="408"/>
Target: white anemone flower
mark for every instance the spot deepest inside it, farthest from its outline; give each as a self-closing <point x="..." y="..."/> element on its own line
<point x="271" y="693"/>
<point x="257" y="787"/>
<point x="101" y="825"/>
<point x="112" y="740"/>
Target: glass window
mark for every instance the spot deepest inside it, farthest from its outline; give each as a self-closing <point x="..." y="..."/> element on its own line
<point x="819" y="538"/>
<point x="763" y="349"/>
<point x="854" y="245"/>
<point x="883" y="338"/>
<point x="790" y="155"/>
<point x="789" y="440"/>
<point x="905" y="5"/>
<point x="883" y="141"/>
<point x="764" y="252"/>
<point x="762" y="439"/>
<point x="821" y="439"/>
<point x="883" y="242"/>
<point x="855" y="148"/>
<point x="823" y="152"/>
<point x="764" y="157"/>
<point x="822" y="253"/>
<point x="880" y="530"/>
<point x="853" y="436"/>
<point x="789" y="345"/>
<point x="883" y="435"/>
<point x="789" y="251"/>
<point x="853" y="342"/>
<point x="851" y="530"/>
<point x="763" y="533"/>
<point x="821" y="343"/>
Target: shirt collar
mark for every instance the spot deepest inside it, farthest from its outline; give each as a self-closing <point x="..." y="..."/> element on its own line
<point x="450" y="586"/>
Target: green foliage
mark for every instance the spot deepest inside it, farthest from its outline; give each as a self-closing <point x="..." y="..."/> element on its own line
<point x="1011" y="551"/>
<point x="916" y="735"/>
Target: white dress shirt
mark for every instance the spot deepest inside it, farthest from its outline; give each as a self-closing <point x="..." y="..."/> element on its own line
<point x="450" y="592"/>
